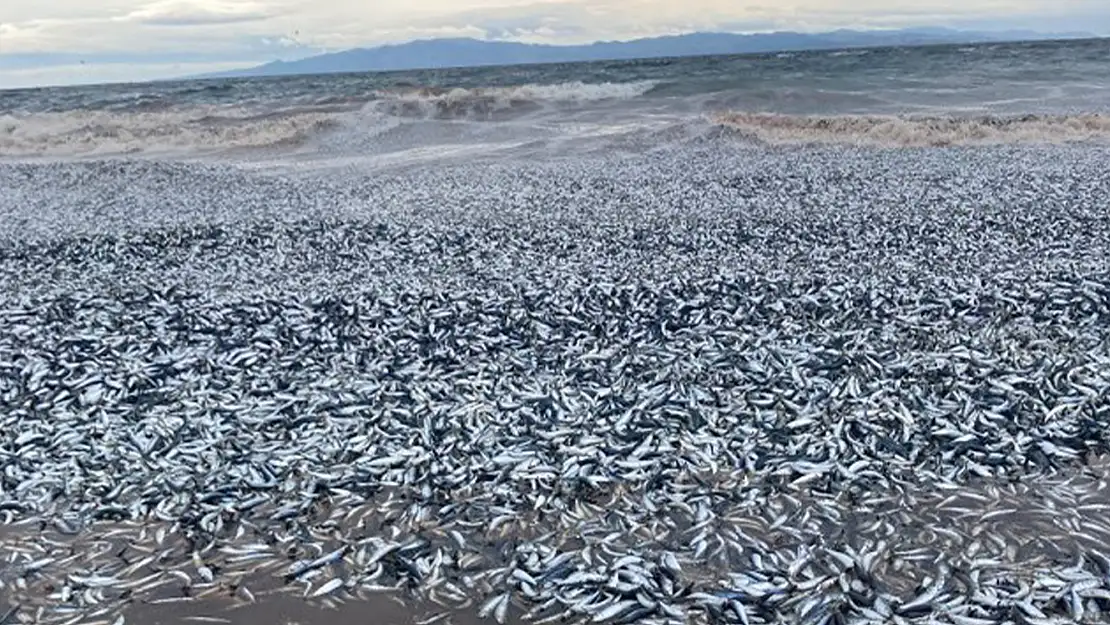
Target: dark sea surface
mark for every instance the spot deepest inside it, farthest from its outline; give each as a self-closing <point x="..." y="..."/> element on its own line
<point x="1045" y="92"/>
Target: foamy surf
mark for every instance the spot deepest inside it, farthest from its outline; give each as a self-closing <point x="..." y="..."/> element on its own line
<point x="208" y="129"/>
<point x="916" y="131"/>
<point x="94" y="133"/>
<point x="500" y="102"/>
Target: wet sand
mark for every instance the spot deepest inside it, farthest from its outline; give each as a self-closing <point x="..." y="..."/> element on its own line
<point x="281" y="610"/>
<point x="290" y="610"/>
<point x="1033" y="517"/>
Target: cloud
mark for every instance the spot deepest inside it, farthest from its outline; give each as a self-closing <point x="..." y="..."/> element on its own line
<point x="60" y="59"/>
<point x="247" y="32"/>
<point x="577" y="21"/>
<point x="198" y="13"/>
<point x="573" y="21"/>
<point x="14" y="12"/>
<point x="77" y="73"/>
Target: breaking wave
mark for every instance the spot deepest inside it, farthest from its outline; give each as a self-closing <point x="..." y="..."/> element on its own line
<point x="916" y="131"/>
<point x="86" y="133"/>
<point x="222" y="128"/>
<point x="432" y="115"/>
<point x="499" y="102"/>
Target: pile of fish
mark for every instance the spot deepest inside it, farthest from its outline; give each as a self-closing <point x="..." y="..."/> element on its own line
<point x="715" y="385"/>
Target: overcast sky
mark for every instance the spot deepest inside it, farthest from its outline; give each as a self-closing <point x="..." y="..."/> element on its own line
<point x="68" y="41"/>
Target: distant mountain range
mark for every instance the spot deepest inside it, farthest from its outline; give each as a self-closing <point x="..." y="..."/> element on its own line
<point x="441" y="53"/>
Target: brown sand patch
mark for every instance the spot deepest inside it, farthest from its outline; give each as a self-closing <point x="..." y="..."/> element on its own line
<point x="283" y="609"/>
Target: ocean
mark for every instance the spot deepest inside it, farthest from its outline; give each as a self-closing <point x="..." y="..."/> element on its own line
<point x="922" y="96"/>
<point x="814" y="338"/>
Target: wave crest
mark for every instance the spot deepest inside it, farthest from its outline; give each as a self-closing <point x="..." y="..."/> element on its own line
<point x="78" y="133"/>
<point x="498" y="103"/>
<point x="214" y="128"/>
<point x="916" y="131"/>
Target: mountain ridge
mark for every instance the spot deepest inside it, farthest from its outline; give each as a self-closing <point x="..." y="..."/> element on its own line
<point x="469" y="52"/>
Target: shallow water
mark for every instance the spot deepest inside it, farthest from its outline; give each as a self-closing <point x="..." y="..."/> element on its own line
<point x="1042" y="92"/>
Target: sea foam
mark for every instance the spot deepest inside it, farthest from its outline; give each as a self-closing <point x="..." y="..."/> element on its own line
<point x="91" y="133"/>
<point x="916" y="131"/>
<point x="203" y="129"/>
<point x="500" y="102"/>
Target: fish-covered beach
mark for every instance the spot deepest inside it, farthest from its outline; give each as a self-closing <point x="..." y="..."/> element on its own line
<point x="808" y="338"/>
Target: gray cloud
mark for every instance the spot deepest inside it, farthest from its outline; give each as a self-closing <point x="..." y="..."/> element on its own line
<point x="566" y="20"/>
<point x="110" y="33"/>
<point x="201" y="20"/>
<point x="199" y="13"/>
<point x="520" y="24"/>
<point x="135" y="70"/>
